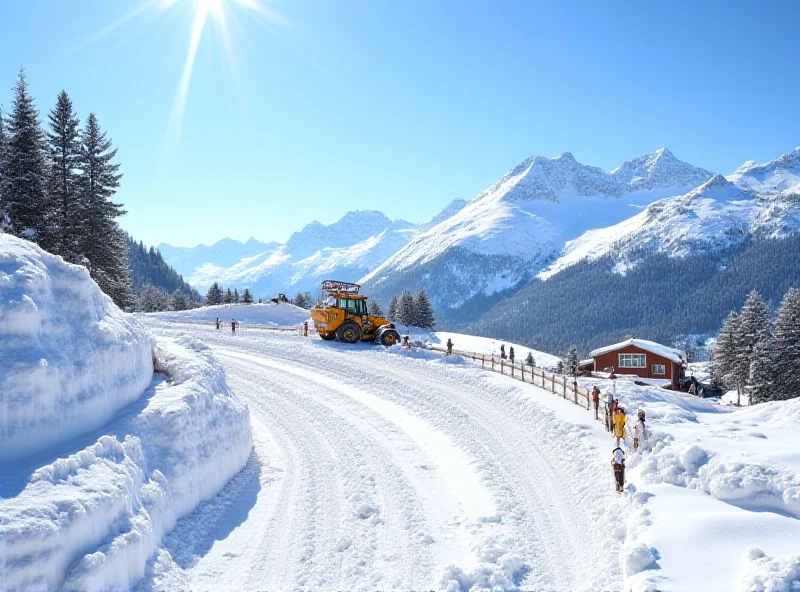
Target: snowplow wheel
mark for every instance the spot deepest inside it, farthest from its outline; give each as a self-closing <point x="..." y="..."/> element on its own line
<point x="390" y="337"/>
<point x="328" y="336"/>
<point x="349" y="333"/>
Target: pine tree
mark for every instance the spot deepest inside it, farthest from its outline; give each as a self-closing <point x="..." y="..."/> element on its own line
<point x="786" y="353"/>
<point x="571" y="361"/>
<point x="754" y="327"/>
<point x="236" y="298"/>
<point x="214" y="295"/>
<point x="64" y="142"/>
<point x="228" y="297"/>
<point x="25" y="206"/>
<point x="247" y="297"/>
<point x="529" y="360"/>
<point x="392" y="314"/>
<point x="3" y="220"/>
<point x="724" y="359"/>
<point x="405" y="309"/>
<point x="760" y="376"/>
<point x="102" y="242"/>
<point x="152" y="299"/>
<point x="302" y="300"/>
<point x="423" y="311"/>
<point x="375" y="309"/>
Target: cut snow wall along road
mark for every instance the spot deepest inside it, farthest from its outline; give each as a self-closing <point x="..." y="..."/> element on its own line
<point x="69" y="358"/>
<point x="92" y="520"/>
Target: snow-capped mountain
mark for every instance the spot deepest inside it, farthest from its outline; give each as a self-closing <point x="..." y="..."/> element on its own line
<point x="346" y="249"/>
<point x="510" y="231"/>
<point x="716" y="215"/>
<point x="221" y="254"/>
<point x="781" y="175"/>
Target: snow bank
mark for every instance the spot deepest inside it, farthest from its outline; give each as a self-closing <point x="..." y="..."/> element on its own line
<point x="768" y="574"/>
<point x="70" y="357"/>
<point x="92" y="519"/>
<point x="282" y="314"/>
<point x="491" y="346"/>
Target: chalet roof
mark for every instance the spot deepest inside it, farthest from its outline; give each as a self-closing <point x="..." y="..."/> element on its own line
<point x="669" y="353"/>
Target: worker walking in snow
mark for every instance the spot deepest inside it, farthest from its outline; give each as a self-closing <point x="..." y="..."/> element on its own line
<point x="449" y="347"/>
<point x="511" y="354"/>
<point x="639" y="431"/>
<point x="305" y="328"/>
<point x="618" y="465"/>
<point x="233" y="325"/>
<point x="218" y="324"/>
<point x="619" y="424"/>
<point x="609" y="411"/>
<point x="596" y="401"/>
<point x="502" y="351"/>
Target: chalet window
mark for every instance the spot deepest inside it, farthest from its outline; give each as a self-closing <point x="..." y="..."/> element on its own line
<point x="659" y="369"/>
<point x="632" y="361"/>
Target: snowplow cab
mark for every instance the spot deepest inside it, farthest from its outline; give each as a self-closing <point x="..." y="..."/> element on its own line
<point x="343" y="316"/>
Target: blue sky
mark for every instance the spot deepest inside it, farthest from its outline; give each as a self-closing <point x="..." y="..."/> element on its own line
<point x="400" y="106"/>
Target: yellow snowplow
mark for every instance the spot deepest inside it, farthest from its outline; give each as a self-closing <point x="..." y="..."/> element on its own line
<point x="343" y="316"/>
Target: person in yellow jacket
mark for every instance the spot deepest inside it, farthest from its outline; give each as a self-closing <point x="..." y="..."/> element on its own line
<point x="619" y="424"/>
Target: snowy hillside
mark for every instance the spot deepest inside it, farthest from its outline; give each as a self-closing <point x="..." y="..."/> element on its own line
<point x="509" y="231"/>
<point x="70" y="357"/>
<point x="99" y="456"/>
<point x="779" y="175"/>
<point x="280" y="315"/>
<point x="347" y="249"/>
<point x="716" y="215"/>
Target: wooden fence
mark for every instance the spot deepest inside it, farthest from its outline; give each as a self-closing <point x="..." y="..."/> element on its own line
<point x="558" y="385"/>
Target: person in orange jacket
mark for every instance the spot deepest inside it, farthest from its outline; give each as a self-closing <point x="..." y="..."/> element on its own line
<point x="596" y="401"/>
<point x="619" y="424"/>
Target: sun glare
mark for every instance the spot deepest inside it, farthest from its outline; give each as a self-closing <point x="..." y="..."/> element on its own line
<point x="201" y="12"/>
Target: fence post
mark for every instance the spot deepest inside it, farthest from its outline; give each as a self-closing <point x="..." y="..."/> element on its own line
<point x="483" y="359"/>
<point x="492" y="363"/>
<point x="575" y="391"/>
<point x="522" y="367"/>
<point x="502" y="366"/>
<point x="512" y="369"/>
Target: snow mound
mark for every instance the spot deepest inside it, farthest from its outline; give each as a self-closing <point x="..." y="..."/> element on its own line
<point x="280" y="315"/>
<point x="769" y="574"/>
<point x="70" y="357"/>
<point x="91" y="519"/>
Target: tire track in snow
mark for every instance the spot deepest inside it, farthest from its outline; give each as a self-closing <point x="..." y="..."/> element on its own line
<point x="387" y="401"/>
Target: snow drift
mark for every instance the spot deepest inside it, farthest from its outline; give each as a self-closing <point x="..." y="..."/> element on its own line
<point x="71" y="358"/>
<point x="281" y="315"/>
<point x="92" y="519"/>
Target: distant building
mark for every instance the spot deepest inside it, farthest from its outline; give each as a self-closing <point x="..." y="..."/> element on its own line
<point x="638" y="357"/>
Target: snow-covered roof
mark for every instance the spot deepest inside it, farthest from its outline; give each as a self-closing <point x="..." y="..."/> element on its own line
<point x="586" y="362"/>
<point x="670" y="353"/>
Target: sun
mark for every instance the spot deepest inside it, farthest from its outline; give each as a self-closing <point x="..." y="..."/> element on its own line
<point x="200" y="13"/>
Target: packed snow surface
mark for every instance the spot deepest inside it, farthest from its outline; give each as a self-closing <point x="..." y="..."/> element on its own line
<point x="70" y="357"/>
<point x="489" y="346"/>
<point x="281" y="315"/>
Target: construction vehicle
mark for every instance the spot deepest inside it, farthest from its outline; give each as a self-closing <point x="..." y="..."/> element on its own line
<point x="343" y="316"/>
<point x="279" y="298"/>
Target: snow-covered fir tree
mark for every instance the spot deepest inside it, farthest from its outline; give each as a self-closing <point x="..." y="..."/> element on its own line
<point x="152" y="299"/>
<point x="3" y="220"/>
<point x="724" y="359"/>
<point x="214" y="295"/>
<point x="247" y="297"/>
<point x="786" y="352"/>
<point x="178" y="301"/>
<point x="375" y="308"/>
<point x="423" y="311"/>
<point x="405" y="309"/>
<point x="24" y="204"/>
<point x="760" y="376"/>
<point x="64" y="143"/>
<point x="236" y="298"/>
<point x="754" y="327"/>
<point x="571" y="361"/>
<point x="228" y="297"/>
<point x="391" y="314"/>
<point x="102" y="243"/>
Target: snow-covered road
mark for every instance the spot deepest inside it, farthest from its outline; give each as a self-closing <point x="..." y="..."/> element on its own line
<point x="386" y="470"/>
